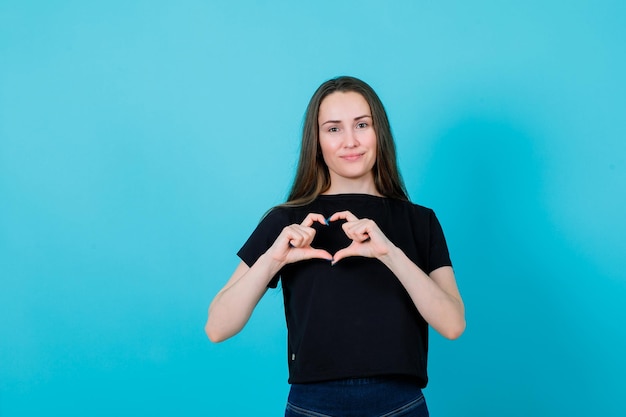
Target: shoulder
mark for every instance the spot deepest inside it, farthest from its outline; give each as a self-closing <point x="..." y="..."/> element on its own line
<point x="417" y="215"/>
<point x="276" y="212"/>
<point x="276" y="215"/>
<point x="269" y="227"/>
<point x="283" y="215"/>
<point x="412" y="208"/>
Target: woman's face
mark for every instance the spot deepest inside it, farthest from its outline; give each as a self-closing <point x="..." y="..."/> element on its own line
<point x="347" y="138"/>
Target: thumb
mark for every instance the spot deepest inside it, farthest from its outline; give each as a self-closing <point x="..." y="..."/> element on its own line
<point x="344" y="253"/>
<point x="312" y="253"/>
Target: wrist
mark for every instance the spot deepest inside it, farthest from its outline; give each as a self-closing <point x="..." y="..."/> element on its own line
<point x="390" y="257"/>
<point x="271" y="264"/>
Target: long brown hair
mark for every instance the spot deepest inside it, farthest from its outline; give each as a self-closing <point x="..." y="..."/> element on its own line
<point x="312" y="175"/>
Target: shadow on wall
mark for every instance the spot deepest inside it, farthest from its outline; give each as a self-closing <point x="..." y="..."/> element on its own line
<point x="537" y="336"/>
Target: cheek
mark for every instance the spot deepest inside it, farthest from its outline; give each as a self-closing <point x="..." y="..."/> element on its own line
<point x="327" y="146"/>
<point x="371" y="140"/>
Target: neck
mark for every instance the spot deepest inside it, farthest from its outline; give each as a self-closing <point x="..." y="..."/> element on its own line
<point x="352" y="186"/>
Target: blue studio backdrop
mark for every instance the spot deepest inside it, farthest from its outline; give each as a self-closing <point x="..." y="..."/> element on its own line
<point x="141" y="142"/>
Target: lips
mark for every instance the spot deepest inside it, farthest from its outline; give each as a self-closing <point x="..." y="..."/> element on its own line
<point x="352" y="156"/>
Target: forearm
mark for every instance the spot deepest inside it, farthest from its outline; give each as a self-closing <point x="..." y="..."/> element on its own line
<point x="441" y="307"/>
<point x="233" y="305"/>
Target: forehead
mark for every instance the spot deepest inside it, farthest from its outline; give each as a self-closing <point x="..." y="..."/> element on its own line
<point x="343" y="105"/>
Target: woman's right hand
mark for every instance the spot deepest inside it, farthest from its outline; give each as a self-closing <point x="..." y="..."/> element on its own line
<point x="293" y="244"/>
<point x="232" y="306"/>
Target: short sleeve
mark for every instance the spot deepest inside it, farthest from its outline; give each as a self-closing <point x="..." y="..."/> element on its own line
<point x="263" y="237"/>
<point x="438" y="250"/>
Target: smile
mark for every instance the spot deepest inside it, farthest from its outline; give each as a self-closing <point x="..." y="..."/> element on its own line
<point x="352" y="157"/>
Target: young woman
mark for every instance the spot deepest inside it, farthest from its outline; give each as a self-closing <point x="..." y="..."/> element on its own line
<point x="364" y="271"/>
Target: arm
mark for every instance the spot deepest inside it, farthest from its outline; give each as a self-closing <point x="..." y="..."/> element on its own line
<point x="436" y="297"/>
<point x="233" y="305"/>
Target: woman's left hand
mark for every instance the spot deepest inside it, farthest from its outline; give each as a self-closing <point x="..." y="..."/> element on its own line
<point x="435" y="296"/>
<point x="367" y="238"/>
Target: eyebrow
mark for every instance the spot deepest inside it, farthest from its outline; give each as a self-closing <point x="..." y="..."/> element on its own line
<point x="339" y="121"/>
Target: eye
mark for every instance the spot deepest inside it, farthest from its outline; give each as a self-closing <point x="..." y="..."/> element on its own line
<point x="362" y="125"/>
<point x="333" y="129"/>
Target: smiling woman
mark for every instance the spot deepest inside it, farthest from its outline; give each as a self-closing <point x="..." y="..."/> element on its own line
<point x="348" y="142"/>
<point x="364" y="271"/>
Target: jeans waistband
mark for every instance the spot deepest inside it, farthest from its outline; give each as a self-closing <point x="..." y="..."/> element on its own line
<point x="356" y="396"/>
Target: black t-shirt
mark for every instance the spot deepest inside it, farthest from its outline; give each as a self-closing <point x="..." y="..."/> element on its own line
<point x="353" y="319"/>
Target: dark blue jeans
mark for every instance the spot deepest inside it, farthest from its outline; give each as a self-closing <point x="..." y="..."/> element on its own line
<point x="361" y="397"/>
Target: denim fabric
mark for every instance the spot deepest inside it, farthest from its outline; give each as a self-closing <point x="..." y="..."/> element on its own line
<point x="360" y="397"/>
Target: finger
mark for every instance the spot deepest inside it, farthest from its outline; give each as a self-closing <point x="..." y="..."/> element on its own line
<point x="345" y="215"/>
<point x="312" y="218"/>
<point x="301" y="240"/>
<point x="307" y="232"/>
<point x="356" y="231"/>
<point x="312" y="253"/>
<point x="345" y="253"/>
<point x="296" y="236"/>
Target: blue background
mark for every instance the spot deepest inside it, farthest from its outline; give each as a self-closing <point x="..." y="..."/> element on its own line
<point x="141" y="141"/>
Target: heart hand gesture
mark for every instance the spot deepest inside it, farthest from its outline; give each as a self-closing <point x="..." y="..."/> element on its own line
<point x="293" y="244"/>
<point x="367" y="238"/>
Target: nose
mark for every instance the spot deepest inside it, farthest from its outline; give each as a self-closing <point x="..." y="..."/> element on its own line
<point x="351" y="140"/>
